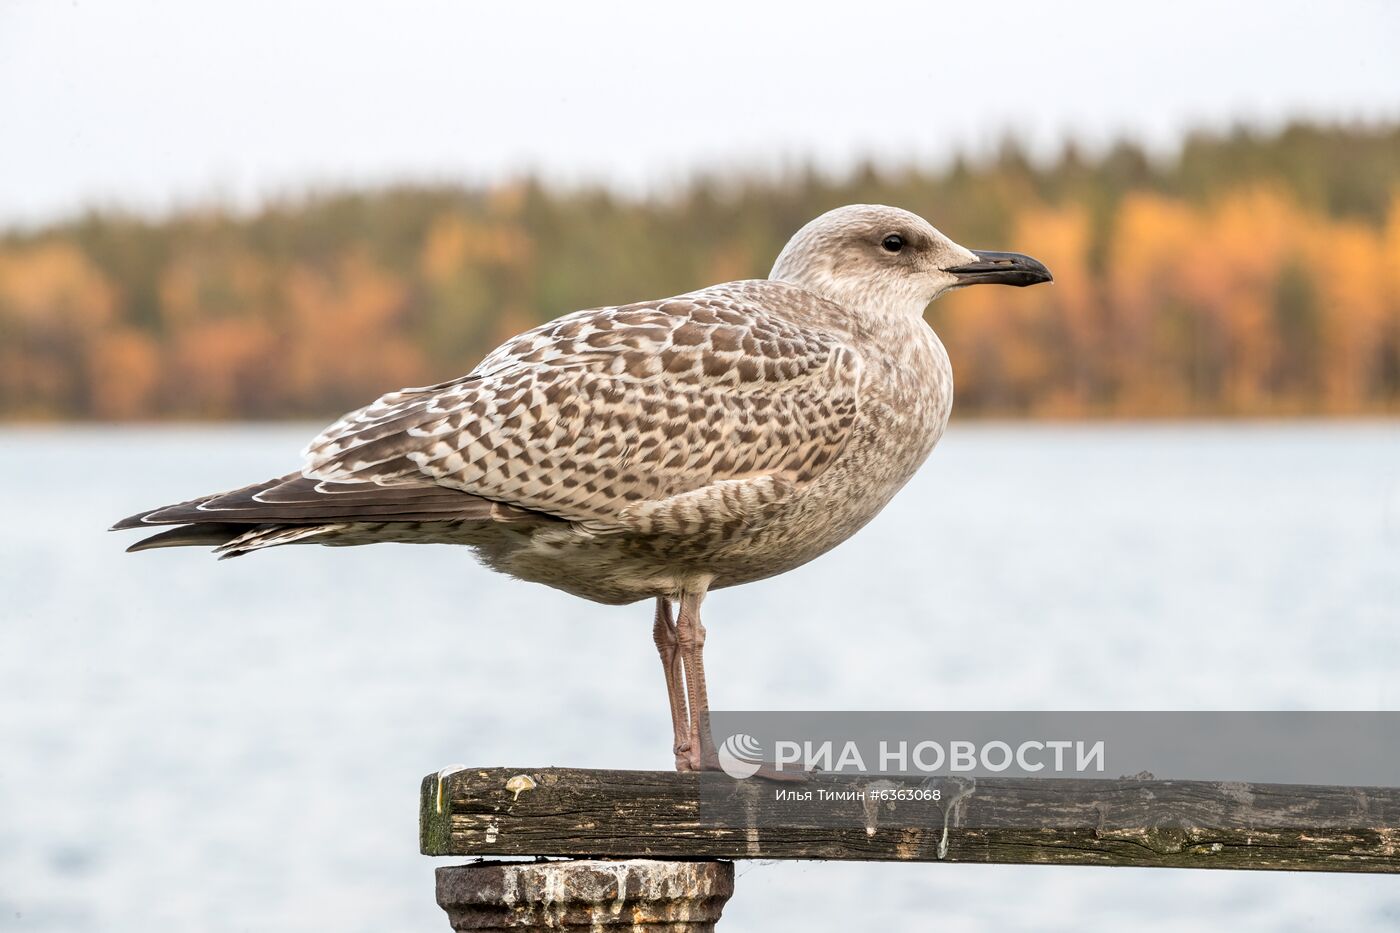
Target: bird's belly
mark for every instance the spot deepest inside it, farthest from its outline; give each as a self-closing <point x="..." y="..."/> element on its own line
<point x="620" y="568"/>
<point x="818" y="518"/>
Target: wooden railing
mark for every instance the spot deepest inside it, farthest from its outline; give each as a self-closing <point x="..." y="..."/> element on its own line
<point x="622" y="815"/>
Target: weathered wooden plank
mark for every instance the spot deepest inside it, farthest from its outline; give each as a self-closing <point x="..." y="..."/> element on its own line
<point x="662" y="814"/>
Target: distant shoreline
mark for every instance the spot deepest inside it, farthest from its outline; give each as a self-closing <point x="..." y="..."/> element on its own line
<point x="1253" y="275"/>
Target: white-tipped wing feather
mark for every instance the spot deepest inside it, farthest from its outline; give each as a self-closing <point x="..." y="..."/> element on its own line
<point x="599" y="413"/>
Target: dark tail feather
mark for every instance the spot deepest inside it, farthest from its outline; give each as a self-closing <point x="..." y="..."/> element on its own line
<point x="229" y="539"/>
<point x="296" y="508"/>
<point x="207" y="535"/>
<point x="297" y="500"/>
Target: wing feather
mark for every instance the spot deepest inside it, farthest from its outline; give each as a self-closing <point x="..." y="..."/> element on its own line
<point x="299" y="500"/>
<point x="589" y="415"/>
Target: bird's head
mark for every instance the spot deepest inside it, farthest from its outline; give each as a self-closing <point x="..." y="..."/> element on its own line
<point x="887" y="259"/>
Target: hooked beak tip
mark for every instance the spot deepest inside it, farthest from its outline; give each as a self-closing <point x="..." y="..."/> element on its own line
<point x="998" y="268"/>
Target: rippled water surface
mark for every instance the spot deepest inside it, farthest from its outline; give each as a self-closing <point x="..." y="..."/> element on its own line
<point x="195" y="745"/>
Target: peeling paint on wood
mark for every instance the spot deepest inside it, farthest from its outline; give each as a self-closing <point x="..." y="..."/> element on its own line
<point x="1178" y="824"/>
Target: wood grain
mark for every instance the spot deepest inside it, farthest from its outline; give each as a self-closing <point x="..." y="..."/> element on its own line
<point x="662" y="814"/>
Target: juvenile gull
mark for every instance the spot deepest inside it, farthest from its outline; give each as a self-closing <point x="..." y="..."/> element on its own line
<point x="656" y="450"/>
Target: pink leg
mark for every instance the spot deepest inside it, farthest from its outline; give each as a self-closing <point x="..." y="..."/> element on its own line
<point x="690" y="634"/>
<point x="664" y="634"/>
<point x="702" y="755"/>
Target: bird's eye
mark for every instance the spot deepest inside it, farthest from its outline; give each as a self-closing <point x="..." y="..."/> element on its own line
<point x="893" y="243"/>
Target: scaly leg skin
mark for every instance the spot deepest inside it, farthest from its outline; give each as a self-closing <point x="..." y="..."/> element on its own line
<point x="663" y="632"/>
<point x="690" y="634"/>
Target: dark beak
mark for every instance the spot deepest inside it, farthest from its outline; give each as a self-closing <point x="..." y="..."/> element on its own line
<point x="993" y="268"/>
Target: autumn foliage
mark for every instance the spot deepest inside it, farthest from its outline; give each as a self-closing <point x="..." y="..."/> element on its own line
<point x="1249" y="276"/>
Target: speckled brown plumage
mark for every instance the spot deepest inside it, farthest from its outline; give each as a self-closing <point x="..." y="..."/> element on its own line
<point x="652" y="450"/>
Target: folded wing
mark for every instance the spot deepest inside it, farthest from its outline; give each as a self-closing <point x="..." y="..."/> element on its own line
<point x="597" y="411"/>
<point x="581" y="420"/>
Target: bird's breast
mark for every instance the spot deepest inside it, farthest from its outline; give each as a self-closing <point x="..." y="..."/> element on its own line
<point x="905" y="401"/>
<point x="736" y="532"/>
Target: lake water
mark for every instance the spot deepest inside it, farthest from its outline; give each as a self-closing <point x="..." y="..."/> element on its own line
<point x="194" y="745"/>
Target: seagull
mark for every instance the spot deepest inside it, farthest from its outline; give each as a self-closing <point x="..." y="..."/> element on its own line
<point x="657" y="450"/>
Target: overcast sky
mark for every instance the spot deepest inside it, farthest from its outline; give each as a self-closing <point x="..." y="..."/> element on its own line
<point x="158" y="105"/>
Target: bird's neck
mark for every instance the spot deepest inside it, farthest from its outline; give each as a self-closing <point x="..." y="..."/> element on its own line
<point x="870" y="299"/>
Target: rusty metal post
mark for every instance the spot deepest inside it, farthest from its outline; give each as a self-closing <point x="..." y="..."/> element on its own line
<point x="624" y="896"/>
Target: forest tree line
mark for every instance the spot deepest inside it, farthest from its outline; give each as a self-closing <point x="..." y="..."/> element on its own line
<point x="1250" y="274"/>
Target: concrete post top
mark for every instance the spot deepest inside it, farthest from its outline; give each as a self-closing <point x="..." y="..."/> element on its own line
<point x="649" y="895"/>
